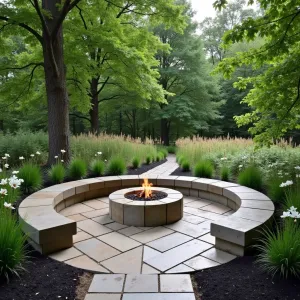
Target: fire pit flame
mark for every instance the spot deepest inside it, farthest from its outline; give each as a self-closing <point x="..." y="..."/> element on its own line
<point x="146" y="192"/>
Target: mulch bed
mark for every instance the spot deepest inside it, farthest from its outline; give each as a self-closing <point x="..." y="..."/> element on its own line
<point x="241" y="279"/>
<point x="47" y="279"/>
<point x="44" y="279"/>
<point x="179" y="172"/>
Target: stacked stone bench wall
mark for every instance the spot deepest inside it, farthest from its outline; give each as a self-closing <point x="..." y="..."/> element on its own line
<point x="48" y="231"/>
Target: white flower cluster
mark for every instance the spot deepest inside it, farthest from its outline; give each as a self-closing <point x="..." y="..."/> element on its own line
<point x="223" y="158"/>
<point x="98" y="153"/>
<point x="13" y="182"/>
<point x="287" y="183"/>
<point x="291" y="213"/>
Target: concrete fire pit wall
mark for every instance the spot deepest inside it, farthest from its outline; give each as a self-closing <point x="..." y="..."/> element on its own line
<point x="146" y="213"/>
<point x="48" y="231"/>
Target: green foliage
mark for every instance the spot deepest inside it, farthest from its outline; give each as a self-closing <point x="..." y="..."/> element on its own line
<point x="148" y="159"/>
<point x="136" y="162"/>
<point x="251" y="177"/>
<point x="204" y="169"/>
<point x="116" y="166"/>
<point x="171" y="149"/>
<point x="57" y="173"/>
<point x="97" y="167"/>
<point x="275" y="192"/>
<point x="12" y="249"/>
<point x="225" y="173"/>
<point x="280" y="250"/>
<point x="185" y="166"/>
<point x="280" y="81"/>
<point x="24" y="143"/>
<point x="32" y="176"/>
<point x="292" y="198"/>
<point x="77" y="169"/>
<point x="164" y="151"/>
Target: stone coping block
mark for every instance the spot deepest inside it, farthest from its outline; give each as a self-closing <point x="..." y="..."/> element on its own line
<point x="47" y="229"/>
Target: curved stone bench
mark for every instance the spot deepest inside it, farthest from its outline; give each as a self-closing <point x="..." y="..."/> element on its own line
<point x="48" y="231"/>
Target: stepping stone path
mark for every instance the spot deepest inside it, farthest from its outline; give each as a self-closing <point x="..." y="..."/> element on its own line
<point x="140" y="287"/>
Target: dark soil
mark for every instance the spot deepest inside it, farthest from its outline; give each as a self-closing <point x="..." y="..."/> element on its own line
<point x="44" y="279"/>
<point x="241" y="279"/>
<point x="156" y="195"/>
<point x="179" y="172"/>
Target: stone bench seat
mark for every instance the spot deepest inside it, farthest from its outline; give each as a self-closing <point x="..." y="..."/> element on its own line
<point x="48" y="231"/>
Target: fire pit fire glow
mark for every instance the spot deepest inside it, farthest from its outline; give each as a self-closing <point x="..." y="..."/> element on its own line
<point x="148" y="193"/>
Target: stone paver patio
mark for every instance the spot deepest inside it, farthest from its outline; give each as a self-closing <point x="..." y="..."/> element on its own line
<point x="102" y="245"/>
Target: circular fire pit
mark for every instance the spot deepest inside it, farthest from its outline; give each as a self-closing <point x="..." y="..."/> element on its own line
<point x="146" y="211"/>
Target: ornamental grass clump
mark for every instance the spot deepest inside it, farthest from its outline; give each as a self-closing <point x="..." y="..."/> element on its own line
<point x="57" y="173"/>
<point x="171" y="149"/>
<point x="12" y="241"/>
<point x="32" y="176"/>
<point x="116" y="166"/>
<point x="204" y="169"/>
<point x="225" y="173"/>
<point x="185" y="166"/>
<point x="97" y="167"/>
<point x="274" y="190"/>
<point x="77" y="169"/>
<point x="251" y="177"/>
<point x="148" y="159"/>
<point x="136" y="162"/>
<point x="280" y="250"/>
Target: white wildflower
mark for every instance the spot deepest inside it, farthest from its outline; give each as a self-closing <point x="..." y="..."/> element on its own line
<point x="298" y="175"/>
<point x="297" y="167"/>
<point x="291" y="213"/>
<point x="286" y="174"/>
<point x="55" y="156"/>
<point x="6" y="155"/>
<point x="3" y="181"/>
<point x="105" y="160"/>
<point x="240" y="166"/>
<point x="15" y="172"/>
<point x="15" y="182"/>
<point x="6" y="166"/>
<point x="38" y="153"/>
<point x="287" y="183"/>
<point x="96" y="154"/>
<point x="8" y="205"/>
<point x="63" y="151"/>
<point x="0" y="170"/>
<point x="223" y="158"/>
<point x="99" y="153"/>
<point x="62" y="160"/>
<point x="3" y="192"/>
<point x="244" y="157"/>
<point x="32" y="155"/>
<point x="21" y="158"/>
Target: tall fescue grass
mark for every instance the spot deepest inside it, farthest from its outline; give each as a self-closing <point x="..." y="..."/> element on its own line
<point x="116" y="166"/>
<point x="251" y="177"/>
<point x="32" y="176"/>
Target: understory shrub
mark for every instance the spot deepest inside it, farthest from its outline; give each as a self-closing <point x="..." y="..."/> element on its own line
<point x="97" y="167"/>
<point x="77" y="169"/>
<point x="148" y="159"/>
<point x="57" y="173"/>
<point x="280" y="250"/>
<point x="12" y="241"/>
<point x="204" y="169"/>
<point x="225" y="173"/>
<point x="32" y="176"/>
<point x="116" y="166"/>
<point x="251" y="177"/>
<point x="185" y="166"/>
<point x="136" y="162"/>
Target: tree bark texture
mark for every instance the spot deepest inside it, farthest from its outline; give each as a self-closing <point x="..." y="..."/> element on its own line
<point x="94" y="111"/>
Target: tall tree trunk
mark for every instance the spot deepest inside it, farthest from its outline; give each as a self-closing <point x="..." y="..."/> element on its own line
<point x="94" y="111"/>
<point x="164" y="127"/>
<point x="56" y="87"/>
